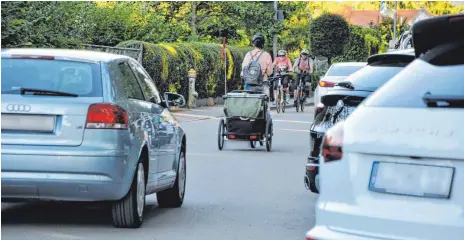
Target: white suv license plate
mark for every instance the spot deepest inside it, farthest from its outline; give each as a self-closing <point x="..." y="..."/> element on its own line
<point x="411" y="179"/>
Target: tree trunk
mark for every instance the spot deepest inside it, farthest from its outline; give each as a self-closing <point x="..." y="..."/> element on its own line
<point x="193" y="20"/>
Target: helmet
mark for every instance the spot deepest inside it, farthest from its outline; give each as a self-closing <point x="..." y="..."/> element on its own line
<point x="258" y="40"/>
<point x="281" y="53"/>
<point x="305" y="52"/>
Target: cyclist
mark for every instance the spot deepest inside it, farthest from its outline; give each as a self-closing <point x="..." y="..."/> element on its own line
<point x="302" y="64"/>
<point x="265" y="65"/>
<point x="282" y="62"/>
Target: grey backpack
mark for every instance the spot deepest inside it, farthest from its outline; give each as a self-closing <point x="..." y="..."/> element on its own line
<point x="253" y="74"/>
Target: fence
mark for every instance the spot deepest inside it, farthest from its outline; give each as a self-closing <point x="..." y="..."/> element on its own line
<point x="321" y="64"/>
<point x="135" y="53"/>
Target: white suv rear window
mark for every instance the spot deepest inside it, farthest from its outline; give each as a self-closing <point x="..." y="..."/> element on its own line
<point x="408" y="88"/>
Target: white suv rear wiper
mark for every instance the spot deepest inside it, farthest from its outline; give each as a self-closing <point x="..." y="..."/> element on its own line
<point x="345" y="84"/>
<point x="443" y="101"/>
<point x="46" y="92"/>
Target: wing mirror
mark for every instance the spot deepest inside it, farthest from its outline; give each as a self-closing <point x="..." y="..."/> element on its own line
<point x="174" y="100"/>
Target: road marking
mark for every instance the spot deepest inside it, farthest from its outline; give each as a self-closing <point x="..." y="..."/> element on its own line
<point x="194" y="115"/>
<point x="207" y="109"/>
<point x="293" y="130"/>
<point x="291" y="121"/>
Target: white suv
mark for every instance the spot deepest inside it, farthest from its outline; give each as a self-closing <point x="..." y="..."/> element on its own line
<point x="399" y="158"/>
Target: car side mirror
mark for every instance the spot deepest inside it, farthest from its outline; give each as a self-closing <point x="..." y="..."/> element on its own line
<point x="153" y="100"/>
<point x="174" y="100"/>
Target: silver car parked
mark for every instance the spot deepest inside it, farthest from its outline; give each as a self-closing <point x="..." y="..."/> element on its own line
<point x="89" y="126"/>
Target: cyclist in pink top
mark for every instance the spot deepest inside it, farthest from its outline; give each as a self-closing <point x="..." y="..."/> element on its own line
<point x="282" y="62"/>
<point x="304" y="68"/>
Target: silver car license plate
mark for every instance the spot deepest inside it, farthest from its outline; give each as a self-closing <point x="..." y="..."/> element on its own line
<point x="28" y="123"/>
<point x="411" y="179"/>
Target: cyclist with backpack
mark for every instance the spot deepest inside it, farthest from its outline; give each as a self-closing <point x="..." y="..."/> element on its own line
<point x="303" y="67"/>
<point x="257" y="66"/>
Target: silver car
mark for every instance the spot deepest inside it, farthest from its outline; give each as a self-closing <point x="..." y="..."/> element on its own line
<point x="86" y="126"/>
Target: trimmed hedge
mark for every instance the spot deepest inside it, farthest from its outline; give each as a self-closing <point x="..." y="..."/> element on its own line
<point x="169" y="63"/>
<point x="362" y="43"/>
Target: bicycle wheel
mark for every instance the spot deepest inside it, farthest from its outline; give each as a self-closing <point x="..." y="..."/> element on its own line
<point x="268" y="133"/>
<point x="283" y="101"/>
<point x="252" y="144"/>
<point x="277" y="100"/>
<point x="297" y="102"/>
<point x="221" y="133"/>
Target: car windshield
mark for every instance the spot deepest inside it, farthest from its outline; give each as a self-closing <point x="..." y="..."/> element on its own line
<point x="373" y="76"/>
<point x="408" y="88"/>
<point x="342" y="71"/>
<point x="78" y="78"/>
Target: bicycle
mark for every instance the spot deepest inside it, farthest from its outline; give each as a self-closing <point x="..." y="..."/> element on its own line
<point x="280" y="102"/>
<point x="301" y="94"/>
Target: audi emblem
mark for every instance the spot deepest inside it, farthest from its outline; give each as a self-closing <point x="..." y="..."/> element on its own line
<point x="18" y="107"/>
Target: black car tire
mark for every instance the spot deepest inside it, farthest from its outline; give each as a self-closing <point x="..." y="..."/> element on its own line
<point x="125" y="211"/>
<point x="173" y="197"/>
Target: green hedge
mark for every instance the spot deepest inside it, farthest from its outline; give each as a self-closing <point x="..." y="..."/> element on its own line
<point x="168" y="65"/>
<point x="362" y="43"/>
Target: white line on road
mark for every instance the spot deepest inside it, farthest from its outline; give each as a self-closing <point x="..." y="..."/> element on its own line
<point x="293" y="130"/>
<point x="213" y="117"/>
<point x="193" y="115"/>
<point x="291" y="121"/>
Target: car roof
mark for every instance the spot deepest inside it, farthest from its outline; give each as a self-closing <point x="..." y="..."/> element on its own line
<point x="351" y="64"/>
<point x="71" y="54"/>
<point x="398" y="55"/>
<point x="409" y="51"/>
<point x="430" y="33"/>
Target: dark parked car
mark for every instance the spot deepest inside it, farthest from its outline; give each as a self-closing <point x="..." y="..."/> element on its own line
<point x="342" y="100"/>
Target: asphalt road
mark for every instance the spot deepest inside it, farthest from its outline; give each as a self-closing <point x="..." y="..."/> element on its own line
<point x="238" y="193"/>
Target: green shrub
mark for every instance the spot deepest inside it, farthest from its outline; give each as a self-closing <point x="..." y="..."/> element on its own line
<point x="169" y="63"/>
<point x="328" y="35"/>
<point x="362" y="43"/>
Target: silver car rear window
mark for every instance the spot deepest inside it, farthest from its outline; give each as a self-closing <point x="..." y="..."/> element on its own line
<point x="81" y="78"/>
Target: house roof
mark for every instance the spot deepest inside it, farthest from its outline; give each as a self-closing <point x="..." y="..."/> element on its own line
<point x="365" y="17"/>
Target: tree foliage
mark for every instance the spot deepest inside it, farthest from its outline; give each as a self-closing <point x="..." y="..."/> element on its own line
<point x="61" y="24"/>
<point x="328" y="35"/>
<point x="164" y="26"/>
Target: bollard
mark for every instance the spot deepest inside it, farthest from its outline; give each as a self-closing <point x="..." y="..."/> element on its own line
<point x="192" y="94"/>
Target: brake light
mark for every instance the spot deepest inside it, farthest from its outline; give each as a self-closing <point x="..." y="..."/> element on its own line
<point x="231" y="136"/>
<point x="309" y="238"/>
<point x="33" y="57"/>
<point x="319" y="108"/>
<point x="253" y="137"/>
<point x="326" y="84"/>
<point x="106" y="116"/>
<point x="332" y="143"/>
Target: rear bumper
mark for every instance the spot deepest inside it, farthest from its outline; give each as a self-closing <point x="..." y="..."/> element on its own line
<point x="323" y="233"/>
<point x="66" y="174"/>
